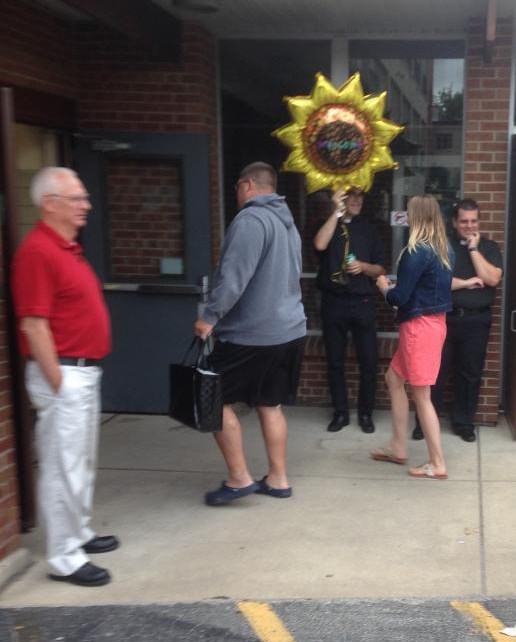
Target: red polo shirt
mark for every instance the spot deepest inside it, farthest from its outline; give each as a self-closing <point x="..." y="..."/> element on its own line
<point x="52" y="279"/>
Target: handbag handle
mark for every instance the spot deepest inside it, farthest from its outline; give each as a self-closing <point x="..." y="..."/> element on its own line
<point x="200" y="357"/>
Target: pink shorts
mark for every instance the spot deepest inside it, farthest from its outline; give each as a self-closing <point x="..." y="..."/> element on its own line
<point x="418" y="357"/>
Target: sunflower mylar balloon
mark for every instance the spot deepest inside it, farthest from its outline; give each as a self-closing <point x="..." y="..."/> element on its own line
<point x="338" y="137"/>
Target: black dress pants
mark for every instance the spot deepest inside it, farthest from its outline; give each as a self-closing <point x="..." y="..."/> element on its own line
<point x="341" y="314"/>
<point x="463" y="356"/>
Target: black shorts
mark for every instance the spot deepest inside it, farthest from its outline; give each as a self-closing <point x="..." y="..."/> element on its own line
<point x="259" y="375"/>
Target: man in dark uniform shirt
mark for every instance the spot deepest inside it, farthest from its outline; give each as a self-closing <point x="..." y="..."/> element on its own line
<point x="351" y="258"/>
<point x="478" y="270"/>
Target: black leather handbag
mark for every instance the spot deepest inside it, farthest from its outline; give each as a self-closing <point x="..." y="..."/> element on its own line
<point x="196" y="391"/>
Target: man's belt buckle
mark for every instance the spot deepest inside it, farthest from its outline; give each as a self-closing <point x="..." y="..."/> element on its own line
<point x="81" y="361"/>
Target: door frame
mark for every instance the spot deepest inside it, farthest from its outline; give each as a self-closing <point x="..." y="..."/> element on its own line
<point x="22" y="414"/>
<point x="509" y="299"/>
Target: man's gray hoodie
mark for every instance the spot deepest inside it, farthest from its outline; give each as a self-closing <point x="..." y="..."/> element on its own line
<point x="256" y="298"/>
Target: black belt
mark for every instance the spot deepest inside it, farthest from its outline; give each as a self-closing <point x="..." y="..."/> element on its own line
<point x="463" y="312"/>
<point x="78" y="361"/>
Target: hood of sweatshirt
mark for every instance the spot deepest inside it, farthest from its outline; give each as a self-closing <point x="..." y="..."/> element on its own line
<point x="275" y="204"/>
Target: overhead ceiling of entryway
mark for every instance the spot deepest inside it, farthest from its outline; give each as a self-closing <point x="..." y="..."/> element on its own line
<point x="305" y="18"/>
<point x="317" y="18"/>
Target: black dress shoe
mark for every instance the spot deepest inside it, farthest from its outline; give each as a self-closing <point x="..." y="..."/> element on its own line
<point x="465" y="431"/>
<point x="468" y="435"/>
<point x="340" y="419"/>
<point x="366" y="423"/>
<point x="87" y="575"/>
<point x="417" y="433"/>
<point x="102" y="544"/>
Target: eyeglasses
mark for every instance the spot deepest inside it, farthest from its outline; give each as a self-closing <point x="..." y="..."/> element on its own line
<point x="73" y="199"/>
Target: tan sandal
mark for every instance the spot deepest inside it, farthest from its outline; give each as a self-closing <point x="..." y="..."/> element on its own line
<point x="384" y="454"/>
<point x="426" y="471"/>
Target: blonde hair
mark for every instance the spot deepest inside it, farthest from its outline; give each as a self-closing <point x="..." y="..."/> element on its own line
<point x="426" y="227"/>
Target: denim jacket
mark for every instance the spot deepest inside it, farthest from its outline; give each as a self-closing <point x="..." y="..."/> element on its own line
<point x="423" y="284"/>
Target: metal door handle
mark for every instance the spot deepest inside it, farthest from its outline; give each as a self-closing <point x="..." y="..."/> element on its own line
<point x="513" y="329"/>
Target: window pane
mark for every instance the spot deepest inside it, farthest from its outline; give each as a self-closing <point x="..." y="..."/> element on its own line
<point x="426" y="96"/>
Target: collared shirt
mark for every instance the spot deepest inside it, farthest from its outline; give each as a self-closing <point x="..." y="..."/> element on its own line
<point x="464" y="269"/>
<point x="52" y="279"/>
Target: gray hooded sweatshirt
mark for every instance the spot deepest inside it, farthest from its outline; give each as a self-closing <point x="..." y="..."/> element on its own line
<point x="256" y="298"/>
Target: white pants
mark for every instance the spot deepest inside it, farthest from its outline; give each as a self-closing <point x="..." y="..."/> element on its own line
<point x="66" y="434"/>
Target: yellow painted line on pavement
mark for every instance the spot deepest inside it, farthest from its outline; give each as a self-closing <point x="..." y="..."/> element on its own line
<point x="486" y="621"/>
<point x="264" y="622"/>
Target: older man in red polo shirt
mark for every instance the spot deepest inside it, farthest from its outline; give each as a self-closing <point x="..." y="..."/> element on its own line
<point x="64" y="331"/>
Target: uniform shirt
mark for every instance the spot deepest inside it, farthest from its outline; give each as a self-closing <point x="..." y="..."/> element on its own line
<point x="52" y="279"/>
<point x="365" y="244"/>
<point x="464" y="269"/>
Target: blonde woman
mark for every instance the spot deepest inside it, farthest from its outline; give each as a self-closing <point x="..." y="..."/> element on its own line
<point x="422" y="295"/>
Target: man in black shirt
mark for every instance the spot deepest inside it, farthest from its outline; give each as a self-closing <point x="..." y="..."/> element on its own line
<point x="477" y="272"/>
<point x="351" y="257"/>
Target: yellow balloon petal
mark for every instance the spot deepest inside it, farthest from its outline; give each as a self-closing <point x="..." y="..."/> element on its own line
<point x="375" y="105"/>
<point x="316" y="181"/>
<point x="351" y="92"/>
<point x="345" y="183"/>
<point x="300" y="108"/>
<point x="381" y="158"/>
<point x="363" y="177"/>
<point x="297" y="162"/>
<point x="323" y="92"/>
<point x="289" y="135"/>
<point x="385" y="131"/>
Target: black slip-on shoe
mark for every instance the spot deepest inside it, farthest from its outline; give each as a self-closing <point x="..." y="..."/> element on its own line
<point x="465" y="431"/>
<point x="340" y="419"/>
<point x="226" y="494"/>
<point x="102" y="544"/>
<point x="468" y="435"/>
<point x="87" y="575"/>
<point x="366" y="423"/>
<point x="417" y="433"/>
<point x="265" y="489"/>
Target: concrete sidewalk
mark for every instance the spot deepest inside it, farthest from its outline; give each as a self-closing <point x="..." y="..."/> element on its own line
<point x="354" y="528"/>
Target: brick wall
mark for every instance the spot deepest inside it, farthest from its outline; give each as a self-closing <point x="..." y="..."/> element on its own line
<point x="313" y="388"/>
<point x="36" y="49"/>
<point x="121" y="87"/>
<point x="486" y="154"/>
<point x="9" y="491"/>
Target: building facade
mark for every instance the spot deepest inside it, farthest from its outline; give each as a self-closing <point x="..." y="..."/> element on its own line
<point x="158" y="111"/>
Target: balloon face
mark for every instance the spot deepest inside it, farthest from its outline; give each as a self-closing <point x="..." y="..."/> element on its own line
<point x="338" y="137"/>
